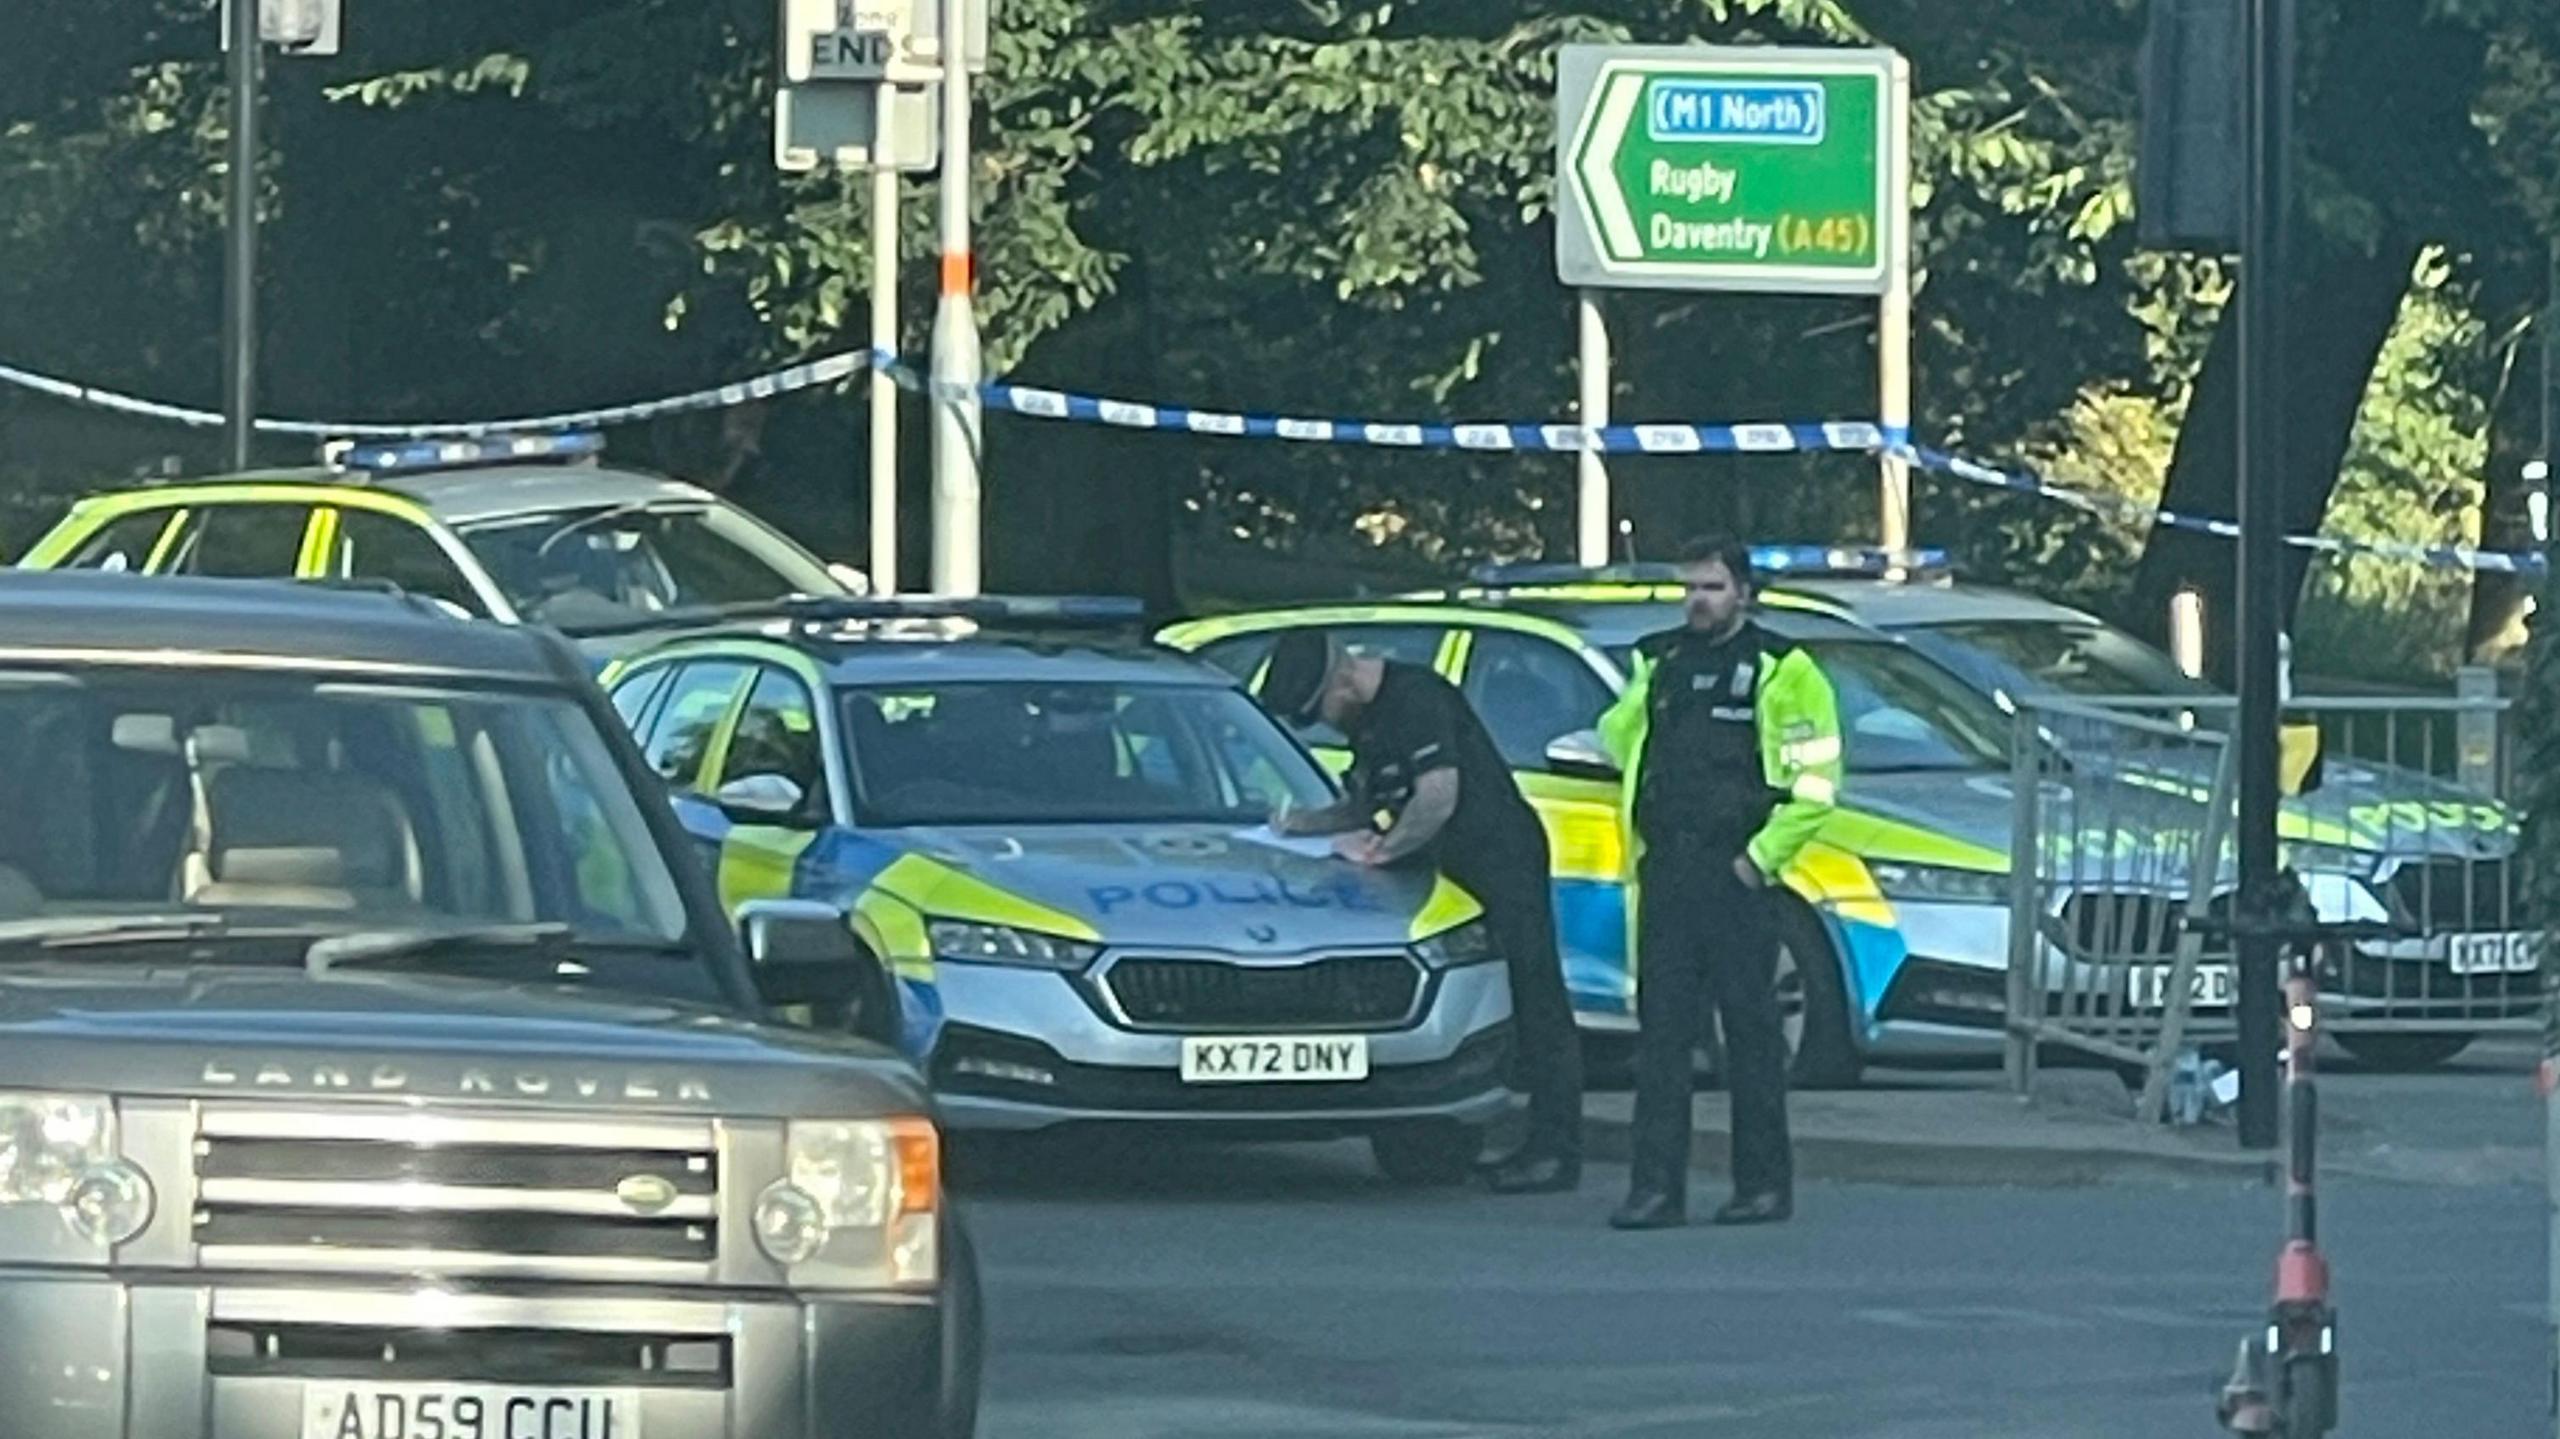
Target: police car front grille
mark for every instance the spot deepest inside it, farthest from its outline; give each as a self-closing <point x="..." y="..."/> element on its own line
<point x="361" y="1190"/>
<point x="1366" y="991"/>
<point x="2456" y="896"/>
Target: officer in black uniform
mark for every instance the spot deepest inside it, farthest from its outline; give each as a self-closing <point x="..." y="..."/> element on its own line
<point x="1420" y="753"/>
<point x="1732" y="737"/>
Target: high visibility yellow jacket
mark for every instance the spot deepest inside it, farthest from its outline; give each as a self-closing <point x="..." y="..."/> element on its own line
<point x="1798" y="720"/>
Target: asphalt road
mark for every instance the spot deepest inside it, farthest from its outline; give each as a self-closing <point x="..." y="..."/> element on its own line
<point x="1249" y="1293"/>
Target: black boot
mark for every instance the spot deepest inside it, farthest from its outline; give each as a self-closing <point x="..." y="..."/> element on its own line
<point x="1534" y="1171"/>
<point x="1772" y="1207"/>
<point x="1648" y="1208"/>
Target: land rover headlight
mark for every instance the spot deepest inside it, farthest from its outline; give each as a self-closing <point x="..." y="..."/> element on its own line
<point x="58" y="1152"/>
<point x="1469" y="943"/>
<point x="1939" y="883"/>
<point x="860" y="1206"/>
<point x="1006" y="944"/>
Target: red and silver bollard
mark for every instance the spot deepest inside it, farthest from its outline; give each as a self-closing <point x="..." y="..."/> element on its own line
<point x="2285" y="1383"/>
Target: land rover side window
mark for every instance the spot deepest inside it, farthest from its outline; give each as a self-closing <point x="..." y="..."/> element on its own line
<point x="777" y="734"/>
<point x="242" y="542"/>
<point x="123" y="545"/>
<point x="376" y="546"/>
<point x="1530" y="691"/>
<point x="681" y="737"/>
<point x="289" y="806"/>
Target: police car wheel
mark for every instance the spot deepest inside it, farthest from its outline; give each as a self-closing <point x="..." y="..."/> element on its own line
<point x="1427" y="1151"/>
<point x="2404" y="1051"/>
<point x="1813" y="1005"/>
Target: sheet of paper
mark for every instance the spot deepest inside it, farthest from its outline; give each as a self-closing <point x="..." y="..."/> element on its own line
<point x="1313" y="846"/>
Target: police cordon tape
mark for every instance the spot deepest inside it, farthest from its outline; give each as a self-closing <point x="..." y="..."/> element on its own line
<point x="2461" y="557"/>
<point x="1855" y="437"/>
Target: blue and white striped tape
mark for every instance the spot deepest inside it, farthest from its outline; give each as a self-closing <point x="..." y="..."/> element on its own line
<point x="1479" y="438"/>
<point x="2448" y="557"/>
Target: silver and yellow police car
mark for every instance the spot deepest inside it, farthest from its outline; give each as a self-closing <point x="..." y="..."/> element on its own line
<point x="1053" y="838"/>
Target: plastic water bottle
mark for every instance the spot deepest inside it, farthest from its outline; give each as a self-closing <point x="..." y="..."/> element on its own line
<point x="2188" y="1092"/>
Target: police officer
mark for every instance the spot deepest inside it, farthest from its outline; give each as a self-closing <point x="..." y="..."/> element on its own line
<point x="1731" y="742"/>
<point x="1419" y="753"/>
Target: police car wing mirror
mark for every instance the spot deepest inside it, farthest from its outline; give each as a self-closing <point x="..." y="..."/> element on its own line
<point x="1579" y="755"/>
<point x="762" y="799"/>
<point x="803" y="952"/>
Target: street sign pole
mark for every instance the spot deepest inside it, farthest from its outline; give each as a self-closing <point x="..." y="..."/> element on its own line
<point x="957" y="417"/>
<point x="240" y="271"/>
<point x="884" y="339"/>
<point x="2264" y="275"/>
<point x="1893" y="322"/>
<point x="1591" y="516"/>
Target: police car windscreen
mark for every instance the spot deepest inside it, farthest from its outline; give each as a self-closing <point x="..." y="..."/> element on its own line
<point x="2030" y="657"/>
<point x="1046" y="752"/>
<point x="613" y="565"/>
<point x="1901" y="713"/>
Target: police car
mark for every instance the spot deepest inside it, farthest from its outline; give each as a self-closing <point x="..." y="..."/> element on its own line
<point x="2377" y="842"/>
<point x="1899" y="947"/>
<point x="521" y="529"/>
<point x="1052" y="837"/>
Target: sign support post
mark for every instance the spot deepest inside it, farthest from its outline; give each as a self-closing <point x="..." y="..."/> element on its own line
<point x="884" y="340"/>
<point x="957" y="415"/>
<point x="1893" y="326"/>
<point x="240" y="269"/>
<point x="1591" y="509"/>
<point x="881" y="86"/>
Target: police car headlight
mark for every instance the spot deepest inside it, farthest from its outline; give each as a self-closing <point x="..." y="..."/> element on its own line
<point x="58" y="1154"/>
<point x="1939" y="883"/>
<point x="1005" y="944"/>
<point x="1469" y="943"/>
<point x="860" y="1206"/>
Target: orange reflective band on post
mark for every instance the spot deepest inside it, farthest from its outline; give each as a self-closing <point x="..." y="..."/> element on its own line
<point x="959" y="273"/>
<point x="919" y="1165"/>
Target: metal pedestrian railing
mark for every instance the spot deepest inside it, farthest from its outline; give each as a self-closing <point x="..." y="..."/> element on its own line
<point x="2398" y="819"/>
<point x="2121" y="839"/>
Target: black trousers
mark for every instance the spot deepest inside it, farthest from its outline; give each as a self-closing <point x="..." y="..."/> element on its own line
<point x="1703" y="937"/>
<point x="1507" y="873"/>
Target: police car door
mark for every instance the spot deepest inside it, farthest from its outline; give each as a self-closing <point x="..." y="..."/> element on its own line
<point x="770" y="780"/>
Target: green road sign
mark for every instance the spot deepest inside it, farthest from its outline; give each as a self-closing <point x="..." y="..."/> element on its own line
<point x="1745" y="168"/>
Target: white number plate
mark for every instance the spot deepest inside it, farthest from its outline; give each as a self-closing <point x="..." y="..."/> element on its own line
<point x="1275" y="1057"/>
<point x="2493" y="954"/>
<point x="467" y="1411"/>
<point x="2208" y="988"/>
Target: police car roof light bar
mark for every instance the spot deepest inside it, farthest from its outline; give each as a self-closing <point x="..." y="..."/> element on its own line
<point x="1793" y="561"/>
<point x="398" y="456"/>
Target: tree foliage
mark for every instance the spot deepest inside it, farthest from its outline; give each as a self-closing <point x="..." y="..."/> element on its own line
<point x="1317" y="206"/>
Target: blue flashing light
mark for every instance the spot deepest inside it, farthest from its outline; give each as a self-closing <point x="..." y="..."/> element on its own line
<point x="1843" y="561"/>
<point x="397" y="456"/>
<point x="1771" y="561"/>
<point x="1030" y="610"/>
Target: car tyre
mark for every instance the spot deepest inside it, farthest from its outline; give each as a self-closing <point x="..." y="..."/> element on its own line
<point x="1427" y="1153"/>
<point x="1824" y="1054"/>
<point x="2404" y="1051"/>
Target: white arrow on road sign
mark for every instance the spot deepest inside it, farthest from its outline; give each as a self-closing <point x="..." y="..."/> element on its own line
<point x="1598" y="148"/>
